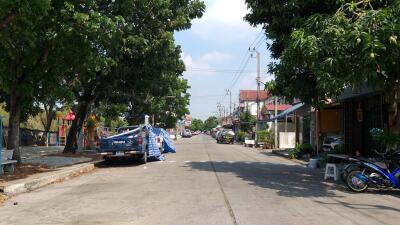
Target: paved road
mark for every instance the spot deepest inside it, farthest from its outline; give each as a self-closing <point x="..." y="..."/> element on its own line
<point x="204" y="183"/>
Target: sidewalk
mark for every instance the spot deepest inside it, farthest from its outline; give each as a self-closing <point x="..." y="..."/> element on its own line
<point x="44" y="165"/>
<point x="284" y="153"/>
<point x="52" y="156"/>
<point x="39" y="180"/>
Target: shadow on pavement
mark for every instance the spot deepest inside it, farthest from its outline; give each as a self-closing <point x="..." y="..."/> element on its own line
<point x="119" y="162"/>
<point x="287" y="180"/>
<point x="359" y="206"/>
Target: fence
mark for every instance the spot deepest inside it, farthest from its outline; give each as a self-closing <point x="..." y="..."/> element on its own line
<point x="30" y="137"/>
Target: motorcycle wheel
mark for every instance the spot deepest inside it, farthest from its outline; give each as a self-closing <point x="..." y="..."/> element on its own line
<point x="354" y="183"/>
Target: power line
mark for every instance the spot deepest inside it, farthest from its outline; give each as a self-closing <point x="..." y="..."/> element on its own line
<point x="258" y="36"/>
<point x="240" y="73"/>
<point x="244" y="63"/>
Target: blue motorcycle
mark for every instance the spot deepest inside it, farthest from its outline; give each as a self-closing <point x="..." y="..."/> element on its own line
<point x="362" y="173"/>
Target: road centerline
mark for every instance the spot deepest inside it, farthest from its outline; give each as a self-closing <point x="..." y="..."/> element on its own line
<point x="227" y="203"/>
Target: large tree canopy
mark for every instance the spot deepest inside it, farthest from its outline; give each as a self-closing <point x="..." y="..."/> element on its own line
<point x="95" y="49"/>
<point x="348" y="45"/>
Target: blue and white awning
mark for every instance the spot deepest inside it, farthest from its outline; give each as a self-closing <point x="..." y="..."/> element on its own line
<point x="283" y="114"/>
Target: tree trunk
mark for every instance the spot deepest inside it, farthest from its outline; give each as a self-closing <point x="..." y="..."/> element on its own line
<point x="14" y="122"/>
<point x="71" y="144"/>
<point x="49" y="115"/>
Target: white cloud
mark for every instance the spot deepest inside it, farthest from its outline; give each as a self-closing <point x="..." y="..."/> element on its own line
<point x="215" y="56"/>
<point x="202" y="65"/>
<point x="229" y="12"/>
<point x="223" y="21"/>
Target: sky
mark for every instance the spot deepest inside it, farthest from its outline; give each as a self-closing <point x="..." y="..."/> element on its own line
<point x="214" y="50"/>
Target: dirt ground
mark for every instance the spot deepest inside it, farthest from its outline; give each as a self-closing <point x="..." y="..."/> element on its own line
<point x="23" y="171"/>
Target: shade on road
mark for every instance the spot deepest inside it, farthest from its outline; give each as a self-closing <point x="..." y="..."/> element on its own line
<point x="204" y="183"/>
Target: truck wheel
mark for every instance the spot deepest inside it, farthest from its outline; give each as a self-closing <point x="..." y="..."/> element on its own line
<point x="143" y="160"/>
<point x="107" y="160"/>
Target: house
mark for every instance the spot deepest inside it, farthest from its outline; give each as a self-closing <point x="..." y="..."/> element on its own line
<point x="268" y="111"/>
<point x="352" y="115"/>
<point x="248" y="100"/>
<point x="292" y="124"/>
<point x="364" y="108"/>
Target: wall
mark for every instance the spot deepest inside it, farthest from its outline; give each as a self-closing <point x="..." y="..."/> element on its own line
<point x="252" y="106"/>
<point x="331" y="120"/>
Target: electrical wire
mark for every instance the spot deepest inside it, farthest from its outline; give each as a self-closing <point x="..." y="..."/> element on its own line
<point x="244" y="63"/>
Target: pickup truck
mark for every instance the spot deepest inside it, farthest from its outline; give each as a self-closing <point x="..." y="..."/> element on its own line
<point x="132" y="142"/>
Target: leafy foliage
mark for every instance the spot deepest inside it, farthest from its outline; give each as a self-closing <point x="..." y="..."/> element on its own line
<point x="335" y="45"/>
<point x="266" y="137"/>
<point x="197" y="124"/>
<point x="247" y="121"/>
<point x="210" y="123"/>
<point x="99" y="51"/>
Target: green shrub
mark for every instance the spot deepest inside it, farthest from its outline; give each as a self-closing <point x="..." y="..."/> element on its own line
<point x="267" y="137"/>
<point x="306" y="149"/>
<point x="295" y="153"/>
<point x="241" y="135"/>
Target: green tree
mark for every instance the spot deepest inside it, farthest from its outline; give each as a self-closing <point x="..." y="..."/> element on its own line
<point x="137" y="50"/>
<point x="197" y="124"/>
<point x="354" y="46"/>
<point x="210" y="123"/>
<point x="330" y="45"/>
<point x="26" y="43"/>
<point x="247" y="121"/>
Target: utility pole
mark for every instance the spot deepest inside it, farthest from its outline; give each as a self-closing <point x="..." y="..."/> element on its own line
<point x="258" y="88"/>
<point x="276" y="123"/>
<point x="228" y="92"/>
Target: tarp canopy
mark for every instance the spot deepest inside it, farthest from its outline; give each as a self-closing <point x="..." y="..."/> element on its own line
<point x="154" y="151"/>
<point x="168" y="144"/>
<point x="283" y="114"/>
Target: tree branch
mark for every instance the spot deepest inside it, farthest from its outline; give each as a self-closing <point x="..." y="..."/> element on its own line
<point x="41" y="60"/>
<point x="7" y="20"/>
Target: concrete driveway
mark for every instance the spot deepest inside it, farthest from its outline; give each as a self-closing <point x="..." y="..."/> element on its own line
<point x="204" y="183"/>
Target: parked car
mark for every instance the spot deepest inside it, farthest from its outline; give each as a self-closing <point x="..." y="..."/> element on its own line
<point x="187" y="133"/>
<point x="226" y="136"/>
<point x="130" y="144"/>
<point x="331" y="141"/>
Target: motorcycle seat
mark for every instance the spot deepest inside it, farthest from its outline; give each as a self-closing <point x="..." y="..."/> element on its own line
<point x="380" y="164"/>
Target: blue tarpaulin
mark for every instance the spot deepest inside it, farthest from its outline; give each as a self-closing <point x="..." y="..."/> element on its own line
<point x="168" y="144"/>
<point x="154" y="151"/>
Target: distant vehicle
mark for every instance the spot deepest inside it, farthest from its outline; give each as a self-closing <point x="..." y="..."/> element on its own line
<point x="226" y="136"/>
<point x="187" y="133"/>
<point x="132" y="143"/>
<point x="331" y="141"/>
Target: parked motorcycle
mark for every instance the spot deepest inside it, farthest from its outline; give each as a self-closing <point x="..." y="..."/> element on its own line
<point x="362" y="173"/>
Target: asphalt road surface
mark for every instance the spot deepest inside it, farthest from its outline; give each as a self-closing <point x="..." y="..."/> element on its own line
<point x="204" y="183"/>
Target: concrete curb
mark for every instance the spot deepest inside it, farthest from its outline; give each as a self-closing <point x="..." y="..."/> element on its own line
<point x="40" y="180"/>
<point x="282" y="154"/>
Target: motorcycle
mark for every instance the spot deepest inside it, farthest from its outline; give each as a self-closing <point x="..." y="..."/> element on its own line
<point x="362" y="173"/>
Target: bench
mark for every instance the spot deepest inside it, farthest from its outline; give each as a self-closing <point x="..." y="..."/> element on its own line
<point x="8" y="165"/>
<point x="6" y="161"/>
